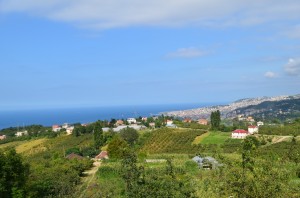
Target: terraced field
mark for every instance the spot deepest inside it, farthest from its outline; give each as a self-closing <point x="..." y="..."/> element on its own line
<point x="172" y="141"/>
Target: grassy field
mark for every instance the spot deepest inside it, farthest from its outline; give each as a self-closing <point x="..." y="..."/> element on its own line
<point x="212" y="138"/>
<point x="31" y="146"/>
<point x="200" y="138"/>
<point x="11" y="144"/>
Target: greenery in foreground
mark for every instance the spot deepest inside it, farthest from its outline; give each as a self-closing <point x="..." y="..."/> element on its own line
<point x="250" y="168"/>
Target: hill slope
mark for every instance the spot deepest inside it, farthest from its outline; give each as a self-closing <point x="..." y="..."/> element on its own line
<point x="172" y="141"/>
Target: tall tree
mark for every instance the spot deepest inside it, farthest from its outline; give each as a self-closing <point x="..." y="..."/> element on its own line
<point x="117" y="147"/>
<point x="215" y="120"/>
<point x="98" y="135"/>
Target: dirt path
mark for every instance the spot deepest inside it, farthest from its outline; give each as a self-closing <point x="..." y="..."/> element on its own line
<point x="281" y="139"/>
<point x="90" y="174"/>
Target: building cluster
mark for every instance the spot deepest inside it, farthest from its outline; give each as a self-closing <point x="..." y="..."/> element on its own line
<point x="69" y="128"/>
<point x="241" y="133"/>
<point x="227" y="111"/>
<point x="247" y="119"/>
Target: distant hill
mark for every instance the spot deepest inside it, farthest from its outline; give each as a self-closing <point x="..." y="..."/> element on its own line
<point x="280" y="107"/>
<point x="272" y="109"/>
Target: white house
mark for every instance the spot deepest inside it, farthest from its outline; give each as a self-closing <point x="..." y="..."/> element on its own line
<point x="169" y="122"/>
<point x="260" y="123"/>
<point x="65" y="125"/>
<point x="69" y="130"/>
<point x="21" y="133"/>
<point x="239" y="134"/>
<point x="2" y="137"/>
<point x="131" y="120"/>
<point x="56" y="128"/>
<point x="253" y="129"/>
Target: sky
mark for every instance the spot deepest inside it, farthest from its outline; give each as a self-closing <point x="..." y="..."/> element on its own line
<point x="79" y="53"/>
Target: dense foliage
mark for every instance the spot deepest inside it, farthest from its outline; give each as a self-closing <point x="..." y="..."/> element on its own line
<point x="130" y="135"/>
<point x="286" y="129"/>
<point x="215" y="120"/>
<point x="13" y="174"/>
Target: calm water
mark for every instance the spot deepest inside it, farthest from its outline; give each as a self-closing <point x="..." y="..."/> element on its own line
<point x="84" y="115"/>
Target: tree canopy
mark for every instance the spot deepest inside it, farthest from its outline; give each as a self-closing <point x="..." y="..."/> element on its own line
<point x="215" y="120"/>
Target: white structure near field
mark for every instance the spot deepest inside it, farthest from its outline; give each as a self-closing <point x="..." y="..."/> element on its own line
<point x="260" y="123"/>
<point x="239" y="134"/>
<point x="252" y="129"/>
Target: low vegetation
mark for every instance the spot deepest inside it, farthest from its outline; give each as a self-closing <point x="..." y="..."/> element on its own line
<point x="152" y="163"/>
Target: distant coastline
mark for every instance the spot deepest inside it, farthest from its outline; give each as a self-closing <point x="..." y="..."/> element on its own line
<point x="49" y="117"/>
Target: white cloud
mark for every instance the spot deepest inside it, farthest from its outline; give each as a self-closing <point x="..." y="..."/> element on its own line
<point x="270" y="74"/>
<point x="119" y="13"/>
<point x="190" y="52"/>
<point x="293" y="67"/>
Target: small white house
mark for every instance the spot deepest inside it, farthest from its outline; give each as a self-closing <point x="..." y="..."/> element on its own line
<point x="65" y="125"/>
<point x="69" y="130"/>
<point x="253" y="129"/>
<point x="169" y="122"/>
<point x="2" y="137"/>
<point x="260" y="123"/>
<point x="131" y="120"/>
<point x="21" y="133"/>
<point x="239" y="134"/>
<point x="56" y="128"/>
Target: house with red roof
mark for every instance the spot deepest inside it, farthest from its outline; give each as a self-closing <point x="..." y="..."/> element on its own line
<point x="102" y="155"/>
<point x="56" y="128"/>
<point x="119" y="122"/>
<point x="203" y="122"/>
<point x="187" y="120"/>
<point x="239" y="134"/>
<point x="74" y="156"/>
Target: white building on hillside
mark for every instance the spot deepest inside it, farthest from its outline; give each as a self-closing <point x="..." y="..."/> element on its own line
<point x="131" y="120"/>
<point x="253" y="129"/>
<point x="21" y="133"/>
<point x="2" y="137"/>
<point x="56" y="128"/>
<point x="260" y="123"/>
<point x="69" y="130"/>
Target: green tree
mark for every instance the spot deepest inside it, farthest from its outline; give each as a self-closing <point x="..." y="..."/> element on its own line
<point x="215" y="120"/>
<point x="13" y="174"/>
<point x="130" y="135"/>
<point x="98" y="135"/>
<point x="141" y="183"/>
<point x="116" y="147"/>
<point x="130" y="173"/>
<point x="294" y="153"/>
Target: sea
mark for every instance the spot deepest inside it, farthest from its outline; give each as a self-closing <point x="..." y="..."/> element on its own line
<point x="49" y="117"/>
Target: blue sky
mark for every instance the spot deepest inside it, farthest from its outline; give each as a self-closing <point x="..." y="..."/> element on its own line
<point x="97" y="53"/>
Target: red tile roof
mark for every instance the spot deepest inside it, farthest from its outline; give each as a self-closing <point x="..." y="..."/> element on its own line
<point x="102" y="155"/>
<point x="74" y="156"/>
<point x="239" y="131"/>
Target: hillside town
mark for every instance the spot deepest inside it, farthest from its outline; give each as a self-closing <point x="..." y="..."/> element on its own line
<point x="230" y="110"/>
